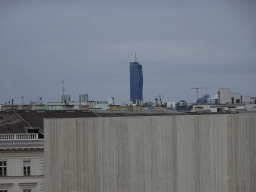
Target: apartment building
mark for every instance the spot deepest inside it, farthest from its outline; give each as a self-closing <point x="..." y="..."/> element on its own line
<point x="21" y="163"/>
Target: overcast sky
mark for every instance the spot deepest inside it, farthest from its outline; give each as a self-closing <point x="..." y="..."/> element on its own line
<point x="89" y="44"/>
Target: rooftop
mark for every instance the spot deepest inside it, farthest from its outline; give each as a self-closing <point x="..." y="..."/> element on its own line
<point x="15" y="121"/>
<point x="20" y="121"/>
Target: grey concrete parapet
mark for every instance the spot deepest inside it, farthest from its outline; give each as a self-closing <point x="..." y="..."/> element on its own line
<point x="179" y="153"/>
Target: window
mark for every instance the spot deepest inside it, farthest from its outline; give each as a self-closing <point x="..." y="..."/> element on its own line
<point x="27" y="190"/>
<point x="3" y="168"/>
<point x="26" y="168"/>
<point x="237" y="100"/>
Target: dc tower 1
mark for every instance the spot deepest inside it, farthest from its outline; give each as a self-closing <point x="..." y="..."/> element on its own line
<point x="136" y="81"/>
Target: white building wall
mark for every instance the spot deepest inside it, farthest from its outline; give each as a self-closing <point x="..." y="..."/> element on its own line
<point x="37" y="166"/>
<point x="38" y="187"/>
<point x="14" y="167"/>
<point x="235" y="96"/>
<point x="14" y="159"/>
<point x="224" y="94"/>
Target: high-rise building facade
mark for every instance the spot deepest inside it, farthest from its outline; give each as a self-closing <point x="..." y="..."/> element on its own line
<point x="136" y="81"/>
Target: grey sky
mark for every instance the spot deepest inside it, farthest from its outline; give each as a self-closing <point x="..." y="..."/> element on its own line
<point x="89" y="44"/>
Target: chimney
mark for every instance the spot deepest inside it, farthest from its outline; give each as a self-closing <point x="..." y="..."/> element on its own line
<point x="40" y="101"/>
<point x="137" y="102"/>
<point x="22" y="100"/>
<point x="86" y="97"/>
<point x="9" y="102"/>
<point x="113" y="102"/>
<point x="131" y="102"/>
<point x="141" y="102"/>
<point x="12" y="101"/>
<point x="160" y="102"/>
<point x="156" y="102"/>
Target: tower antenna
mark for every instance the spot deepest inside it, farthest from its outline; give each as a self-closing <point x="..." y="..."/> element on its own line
<point x="135" y="57"/>
<point x="63" y="88"/>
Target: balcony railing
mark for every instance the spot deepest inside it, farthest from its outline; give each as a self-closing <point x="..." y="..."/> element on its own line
<point x="20" y="136"/>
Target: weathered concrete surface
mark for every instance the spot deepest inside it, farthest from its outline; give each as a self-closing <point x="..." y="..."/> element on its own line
<point x="205" y="153"/>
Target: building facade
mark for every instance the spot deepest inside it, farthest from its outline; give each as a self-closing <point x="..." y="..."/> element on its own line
<point x="21" y="163"/>
<point x="136" y="81"/>
<point x="225" y="97"/>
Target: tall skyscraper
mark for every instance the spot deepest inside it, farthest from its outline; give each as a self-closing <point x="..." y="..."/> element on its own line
<point x="136" y="81"/>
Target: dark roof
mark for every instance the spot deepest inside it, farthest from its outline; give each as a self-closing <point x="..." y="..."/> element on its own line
<point x="14" y="121"/>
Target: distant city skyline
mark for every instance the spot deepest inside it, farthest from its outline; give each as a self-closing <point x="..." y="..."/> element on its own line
<point x="88" y="44"/>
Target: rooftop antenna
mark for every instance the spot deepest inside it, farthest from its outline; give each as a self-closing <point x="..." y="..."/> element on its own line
<point x="135" y="57"/>
<point x="63" y="88"/>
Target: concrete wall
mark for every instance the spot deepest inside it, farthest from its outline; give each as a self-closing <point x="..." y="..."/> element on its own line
<point x="205" y="153"/>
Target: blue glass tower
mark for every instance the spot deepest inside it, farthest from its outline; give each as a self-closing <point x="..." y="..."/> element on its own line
<point x="136" y="81"/>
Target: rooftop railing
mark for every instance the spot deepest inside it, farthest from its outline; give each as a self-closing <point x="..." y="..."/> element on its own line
<point x="19" y="136"/>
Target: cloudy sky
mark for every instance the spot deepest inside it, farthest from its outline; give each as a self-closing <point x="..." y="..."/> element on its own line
<point x="89" y="44"/>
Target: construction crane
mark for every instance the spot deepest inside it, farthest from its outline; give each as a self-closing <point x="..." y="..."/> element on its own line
<point x="200" y="88"/>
